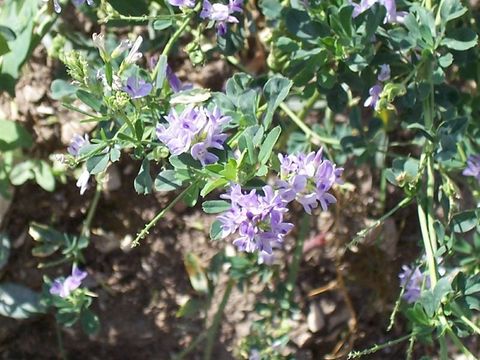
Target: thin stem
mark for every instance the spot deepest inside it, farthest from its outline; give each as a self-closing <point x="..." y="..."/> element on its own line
<point x="460" y="345"/>
<point x="212" y="331"/>
<point x="471" y="324"/>
<point x="142" y="18"/>
<point x="174" y="38"/>
<point x="91" y="212"/>
<point x="154" y="221"/>
<point x="63" y="354"/>
<point x="311" y="135"/>
<point x="309" y="104"/>
<point x="375" y="348"/>
<point x="363" y="233"/>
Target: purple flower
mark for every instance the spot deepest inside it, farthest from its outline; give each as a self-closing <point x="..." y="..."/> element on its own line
<point x="384" y="73"/>
<point x="308" y="179"/>
<point x="375" y="92"/>
<point x="175" y="82"/>
<point x="58" y="8"/>
<point x="64" y="287"/>
<point x="257" y="219"/>
<point x="182" y="3"/>
<point x="413" y="281"/>
<point x="392" y="15"/>
<point x="76" y="143"/>
<point x="473" y="167"/>
<point x="82" y="181"/>
<point x="221" y="14"/>
<point x="137" y="88"/>
<point x="195" y="129"/>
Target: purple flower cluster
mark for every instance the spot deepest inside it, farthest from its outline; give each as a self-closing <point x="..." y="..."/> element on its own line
<point x="221" y="14"/>
<point x="413" y="280"/>
<point x="64" y="287"/>
<point x="473" y="167"/>
<point x="376" y="90"/>
<point x="308" y="179"/>
<point x="258" y="219"/>
<point x="76" y="143"/>
<point x="58" y="8"/>
<point x="196" y="130"/>
<point x="392" y="15"/>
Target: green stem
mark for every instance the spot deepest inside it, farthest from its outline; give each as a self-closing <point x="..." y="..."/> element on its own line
<point x="308" y="105"/>
<point x="63" y="354"/>
<point x="91" y="212"/>
<point x="361" y="234"/>
<point x="175" y="36"/>
<point x="142" y="18"/>
<point x="375" y="348"/>
<point x="471" y="324"/>
<point x="154" y="221"/>
<point x="212" y="331"/>
<point x="311" y="135"/>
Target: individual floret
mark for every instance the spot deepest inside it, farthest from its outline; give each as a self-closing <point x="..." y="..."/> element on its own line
<point x="64" y="287"/>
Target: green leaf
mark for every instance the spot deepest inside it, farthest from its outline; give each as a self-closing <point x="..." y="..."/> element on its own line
<point x="212" y="185"/>
<point x="196" y="273"/>
<point x="21" y="173"/>
<point x="4" y="250"/>
<point x="19" y="302"/>
<point x="143" y="181"/>
<point x="115" y="154"/>
<point x="463" y="39"/>
<point x="167" y="181"/>
<point x="162" y="71"/>
<point x="451" y="9"/>
<point x="215" y="206"/>
<point x="271" y="9"/>
<point x="267" y="146"/>
<point x="275" y="91"/>
<point x="464" y="221"/>
<point x="90" y="322"/>
<point x="446" y="60"/>
<point x="89" y="99"/>
<point x="13" y="136"/>
<point x="190" y="308"/>
<point x="162" y="24"/>
<point x="98" y="163"/>
<point x="61" y="89"/>
<point x="14" y="60"/>
<point x="216" y="230"/>
<point x="44" y="175"/>
<point x="191" y="196"/>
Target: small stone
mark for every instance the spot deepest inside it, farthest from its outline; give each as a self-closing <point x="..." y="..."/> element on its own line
<point x="315" y="318"/>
